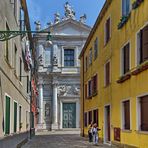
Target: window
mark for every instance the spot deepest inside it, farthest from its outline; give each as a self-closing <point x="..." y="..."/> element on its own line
<point x="20" y="69"/>
<point x="15" y="117"/>
<point x="15" y="58"/>
<point x="107" y="30"/>
<point x="85" y="119"/>
<point x="143" y="113"/>
<point x="86" y="64"/>
<point x="126" y="115"/>
<point x="68" y="57"/>
<point x="89" y="117"/>
<point x="125" y="7"/>
<point x="7" y="115"/>
<point x="126" y="58"/>
<point x="90" y="56"/>
<point x="20" y="117"/>
<point x="89" y="88"/>
<point x="107" y="73"/>
<point x="7" y="45"/>
<point x="94" y="83"/>
<point x="142" y="45"/>
<point x="86" y="91"/>
<point x="96" y="48"/>
<point x="95" y="116"/>
<point x="22" y="20"/>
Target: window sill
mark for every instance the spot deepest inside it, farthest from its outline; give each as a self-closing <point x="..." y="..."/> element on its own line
<point x="90" y="97"/>
<point x="95" y="94"/>
<point x="126" y="131"/>
<point x="124" y="78"/>
<point x="140" y="68"/>
<point x="142" y="132"/>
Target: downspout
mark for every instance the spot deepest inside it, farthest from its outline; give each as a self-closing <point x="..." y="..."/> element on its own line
<point x="83" y="94"/>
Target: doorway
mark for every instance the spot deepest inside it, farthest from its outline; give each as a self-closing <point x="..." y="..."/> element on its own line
<point x="107" y="124"/>
<point x="69" y="115"/>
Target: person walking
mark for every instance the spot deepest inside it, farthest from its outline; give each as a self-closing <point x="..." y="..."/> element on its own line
<point x="95" y="134"/>
<point x="90" y="131"/>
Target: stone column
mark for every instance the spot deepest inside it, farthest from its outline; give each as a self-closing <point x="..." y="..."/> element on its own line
<point x="55" y="107"/>
<point x="41" y="104"/>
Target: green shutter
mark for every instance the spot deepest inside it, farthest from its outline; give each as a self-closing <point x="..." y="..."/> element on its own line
<point x="7" y="115"/>
<point x="15" y="117"/>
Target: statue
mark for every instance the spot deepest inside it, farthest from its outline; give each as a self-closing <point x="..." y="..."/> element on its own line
<point x="83" y="18"/>
<point x="55" y="60"/>
<point x="69" y="12"/>
<point x="56" y="18"/>
<point x="38" y="25"/>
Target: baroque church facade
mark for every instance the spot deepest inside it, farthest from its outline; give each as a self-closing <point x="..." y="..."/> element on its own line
<point x="58" y="71"/>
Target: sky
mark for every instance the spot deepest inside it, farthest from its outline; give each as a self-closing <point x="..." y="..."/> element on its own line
<point x="44" y="10"/>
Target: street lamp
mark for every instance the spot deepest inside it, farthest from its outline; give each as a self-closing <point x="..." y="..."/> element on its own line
<point x="7" y="35"/>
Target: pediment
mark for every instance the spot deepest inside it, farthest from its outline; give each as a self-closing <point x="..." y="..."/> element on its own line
<point x="69" y="27"/>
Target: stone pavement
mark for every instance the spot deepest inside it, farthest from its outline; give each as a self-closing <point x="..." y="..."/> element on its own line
<point x="60" y="139"/>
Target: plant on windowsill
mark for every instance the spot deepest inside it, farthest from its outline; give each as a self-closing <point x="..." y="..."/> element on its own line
<point x="136" y="3"/>
<point x="123" y="21"/>
<point x="140" y="68"/>
<point x="124" y="77"/>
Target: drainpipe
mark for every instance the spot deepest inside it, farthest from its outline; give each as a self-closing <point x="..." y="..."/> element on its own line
<point x="83" y="95"/>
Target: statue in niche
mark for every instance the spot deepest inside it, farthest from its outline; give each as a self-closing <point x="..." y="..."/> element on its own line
<point x="69" y="12"/>
<point x="55" y="60"/>
<point x="56" y="18"/>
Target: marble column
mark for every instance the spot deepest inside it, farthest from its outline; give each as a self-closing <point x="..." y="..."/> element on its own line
<point x="40" y="104"/>
<point x="55" y="108"/>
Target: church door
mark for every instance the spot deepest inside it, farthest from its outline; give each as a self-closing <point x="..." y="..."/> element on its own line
<point x="69" y="115"/>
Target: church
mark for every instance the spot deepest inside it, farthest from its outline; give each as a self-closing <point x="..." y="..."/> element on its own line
<point x="58" y="70"/>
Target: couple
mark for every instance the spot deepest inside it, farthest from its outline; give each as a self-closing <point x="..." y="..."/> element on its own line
<point x="93" y="133"/>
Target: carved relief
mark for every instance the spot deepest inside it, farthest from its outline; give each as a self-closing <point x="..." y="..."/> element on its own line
<point x="68" y="90"/>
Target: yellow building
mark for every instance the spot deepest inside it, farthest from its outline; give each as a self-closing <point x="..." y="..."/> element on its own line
<point x="114" y="74"/>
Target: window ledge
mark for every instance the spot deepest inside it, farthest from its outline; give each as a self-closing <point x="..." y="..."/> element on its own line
<point x="140" y="68"/>
<point x="142" y="132"/>
<point x="89" y="97"/>
<point x="136" y="4"/>
<point x="124" y="78"/>
<point x="126" y="131"/>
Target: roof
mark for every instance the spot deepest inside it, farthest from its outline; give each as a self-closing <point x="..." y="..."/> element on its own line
<point x="99" y="18"/>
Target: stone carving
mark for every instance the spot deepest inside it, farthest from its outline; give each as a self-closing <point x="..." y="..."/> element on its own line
<point x="38" y="25"/>
<point x="55" y="60"/>
<point x="64" y="90"/>
<point x="83" y="18"/>
<point x="69" y="12"/>
<point x="56" y="18"/>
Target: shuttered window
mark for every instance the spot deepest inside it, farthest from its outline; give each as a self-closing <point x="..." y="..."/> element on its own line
<point x="85" y="119"/>
<point x="95" y="116"/>
<point x="107" y="74"/>
<point x="15" y="117"/>
<point x="86" y="64"/>
<point x="144" y="44"/>
<point x="144" y="113"/>
<point x="89" y="88"/>
<point x="94" y="83"/>
<point x="107" y="31"/>
<point x="7" y="115"/>
<point x="95" y="48"/>
<point x="85" y="91"/>
<point x="90" y="117"/>
<point x="126" y="112"/>
<point x="126" y="58"/>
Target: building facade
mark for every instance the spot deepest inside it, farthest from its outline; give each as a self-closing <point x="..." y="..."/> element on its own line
<point x="114" y="74"/>
<point x="59" y="71"/>
<point x="14" y="75"/>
